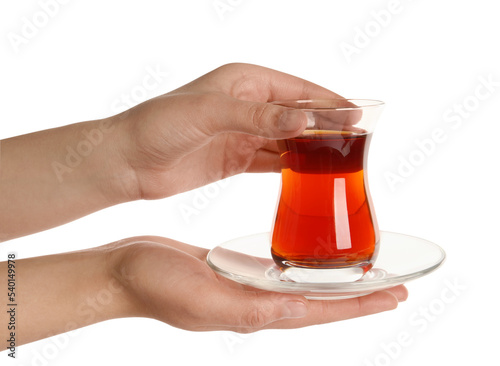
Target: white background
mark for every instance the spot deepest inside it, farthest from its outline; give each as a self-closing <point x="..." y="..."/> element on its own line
<point x="423" y="59"/>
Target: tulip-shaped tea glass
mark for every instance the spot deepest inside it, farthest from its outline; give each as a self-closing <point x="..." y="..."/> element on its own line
<point x="325" y="222"/>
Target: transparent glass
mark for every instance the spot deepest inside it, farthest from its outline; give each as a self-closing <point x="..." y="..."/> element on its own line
<point x="325" y="217"/>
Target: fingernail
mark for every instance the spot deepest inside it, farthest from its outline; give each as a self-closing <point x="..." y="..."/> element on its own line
<point x="294" y="309"/>
<point x="291" y="120"/>
<point x="401" y="292"/>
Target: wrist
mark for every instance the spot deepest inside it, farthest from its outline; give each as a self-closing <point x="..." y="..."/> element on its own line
<point x="121" y="275"/>
<point x="119" y="183"/>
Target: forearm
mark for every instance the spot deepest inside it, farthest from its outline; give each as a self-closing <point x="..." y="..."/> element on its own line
<point x="51" y="177"/>
<point x="59" y="293"/>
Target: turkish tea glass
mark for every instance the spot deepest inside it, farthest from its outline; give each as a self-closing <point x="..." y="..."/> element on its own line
<point x="325" y="218"/>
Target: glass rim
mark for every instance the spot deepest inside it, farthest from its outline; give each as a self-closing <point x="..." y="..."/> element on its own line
<point x="358" y="104"/>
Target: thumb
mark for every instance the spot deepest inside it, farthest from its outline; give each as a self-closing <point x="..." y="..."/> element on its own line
<point x="256" y="118"/>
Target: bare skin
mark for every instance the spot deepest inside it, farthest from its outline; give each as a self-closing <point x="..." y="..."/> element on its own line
<point x="214" y="127"/>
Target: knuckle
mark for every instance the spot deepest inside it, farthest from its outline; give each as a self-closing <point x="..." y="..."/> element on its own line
<point x="232" y="66"/>
<point x="263" y="117"/>
<point x="206" y="99"/>
<point x="256" y="318"/>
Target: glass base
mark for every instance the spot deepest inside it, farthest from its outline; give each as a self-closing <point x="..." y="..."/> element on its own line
<point x="313" y="275"/>
<point x="324" y="271"/>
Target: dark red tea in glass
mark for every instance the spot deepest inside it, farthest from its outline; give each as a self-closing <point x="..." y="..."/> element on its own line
<point x="325" y="217"/>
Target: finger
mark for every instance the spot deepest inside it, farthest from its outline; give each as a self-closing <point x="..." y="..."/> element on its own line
<point x="271" y="146"/>
<point x="265" y="161"/>
<point x="326" y="311"/>
<point x="227" y="114"/>
<point x="257" y="83"/>
<point x="248" y="311"/>
<point x="401" y="292"/>
<point x="360" y="306"/>
<point x="329" y="114"/>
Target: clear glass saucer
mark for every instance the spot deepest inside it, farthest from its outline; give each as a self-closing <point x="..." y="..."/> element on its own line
<point x="401" y="258"/>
